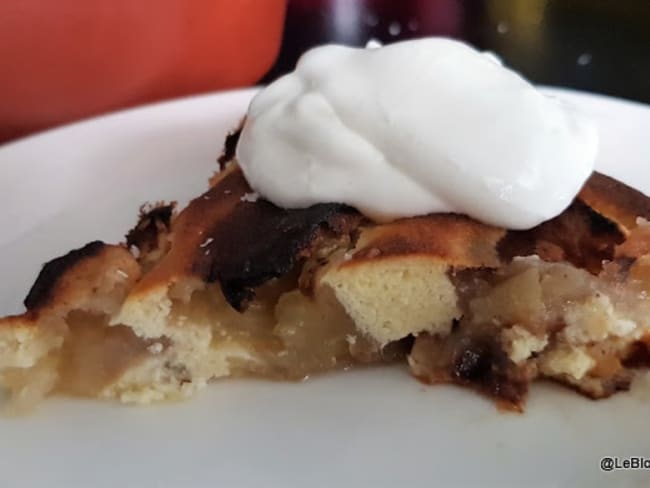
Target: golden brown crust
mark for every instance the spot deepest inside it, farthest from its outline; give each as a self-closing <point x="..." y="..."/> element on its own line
<point x="453" y="239"/>
<point x="74" y="281"/>
<point x="585" y="234"/>
<point x="43" y="290"/>
<point x="71" y="281"/>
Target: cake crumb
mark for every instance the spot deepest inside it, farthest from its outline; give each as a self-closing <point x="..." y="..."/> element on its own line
<point x="521" y="344"/>
<point x="568" y="360"/>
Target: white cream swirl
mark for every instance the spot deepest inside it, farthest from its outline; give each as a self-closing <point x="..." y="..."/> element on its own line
<point x="416" y="127"/>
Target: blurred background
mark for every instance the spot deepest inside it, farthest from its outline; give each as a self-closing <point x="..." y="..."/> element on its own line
<point x="62" y="60"/>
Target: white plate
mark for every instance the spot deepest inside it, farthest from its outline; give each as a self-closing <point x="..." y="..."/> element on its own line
<point x="375" y="427"/>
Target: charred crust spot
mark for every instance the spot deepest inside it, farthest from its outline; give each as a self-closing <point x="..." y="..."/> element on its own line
<point x="258" y="241"/>
<point x="150" y="223"/>
<point x="223" y="237"/>
<point x="41" y="292"/>
<point x="230" y="147"/>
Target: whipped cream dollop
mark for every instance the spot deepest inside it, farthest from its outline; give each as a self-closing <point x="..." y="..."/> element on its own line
<point x="416" y="127"/>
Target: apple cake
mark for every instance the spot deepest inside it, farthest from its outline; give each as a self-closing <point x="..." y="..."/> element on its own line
<point x="235" y="286"/>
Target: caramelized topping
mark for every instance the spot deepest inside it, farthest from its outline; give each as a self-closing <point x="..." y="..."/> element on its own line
<point x="251" y="242"/>
<point x="264" y="242"/>
<point x="578" y="235"/>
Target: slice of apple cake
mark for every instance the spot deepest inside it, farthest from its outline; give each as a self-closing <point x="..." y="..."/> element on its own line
<point x="235" y="286"/>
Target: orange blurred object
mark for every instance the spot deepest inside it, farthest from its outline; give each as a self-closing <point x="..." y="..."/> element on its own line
<point x="62" y="60"/>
